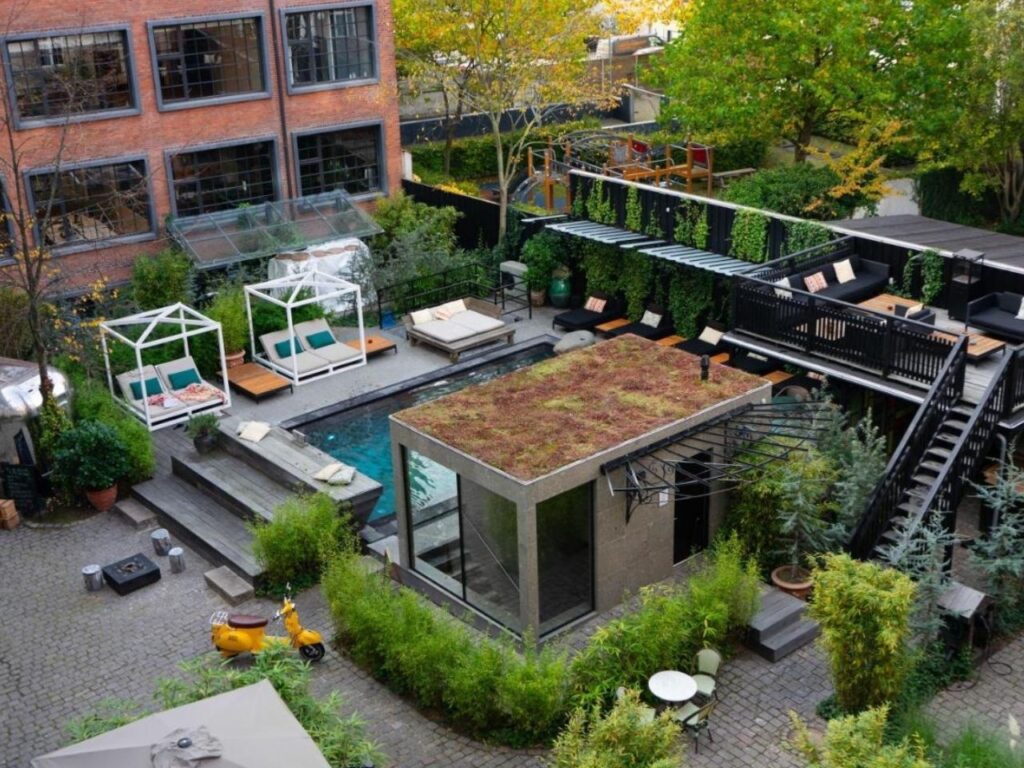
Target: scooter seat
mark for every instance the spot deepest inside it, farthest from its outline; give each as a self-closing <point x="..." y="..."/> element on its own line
<point x="245" y="621"/>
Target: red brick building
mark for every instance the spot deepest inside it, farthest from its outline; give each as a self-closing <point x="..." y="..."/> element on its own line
<point x="183" y="107"/>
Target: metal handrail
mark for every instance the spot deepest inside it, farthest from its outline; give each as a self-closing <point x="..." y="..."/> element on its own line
<point x="497" y="560"/>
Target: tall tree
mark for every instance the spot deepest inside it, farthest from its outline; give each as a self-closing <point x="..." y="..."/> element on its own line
<point x="783" y="67"/>
<point x="513" y="61"/>
<point x="965" y="96"/>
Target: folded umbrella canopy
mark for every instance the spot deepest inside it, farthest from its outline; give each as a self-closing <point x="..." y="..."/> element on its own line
<point x="249" y="727"/>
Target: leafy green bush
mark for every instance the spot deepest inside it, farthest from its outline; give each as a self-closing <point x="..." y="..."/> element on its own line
<point x="797" y="190"/>
<point x="939" y="194"/>
<point x="858" y="740"/>
<point x="342" y="740"/>
<point x="90" y="456"/>
<point x="975" y="747"/>
<point x="484" y="687"/>
<point x="162" y="279"/>
<point x="296" y="544"/>
<point x="15" y="336"/>
<point x="670" y="626"/>
<point x="622" y="738"/>
<point x="542" y="254"/>
<point x="91" y="400"/>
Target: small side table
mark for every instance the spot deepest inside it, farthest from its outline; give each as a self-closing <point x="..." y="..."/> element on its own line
<point x="611" y="325"/>
<point x="672" y="686"/>
<point x="375" y="345"/>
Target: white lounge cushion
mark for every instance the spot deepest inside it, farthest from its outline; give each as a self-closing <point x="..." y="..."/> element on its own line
<point x="343" y="476"/>
<point x="711" y="336"/>
<point x="1020" y="312"/>
<point x="844" y="271"/>
<point x="651" y="319"/>
<point x="781" y="291"/>
<point x="445" y="330"/>
<point x="421" y="316"/>
<point x="476" y="321"/>
<point x="124" y="381"/>
<point x="254" y="431"/>
<point x="327" y="472"/>
<point x="337" y="353"/>
<point x="446" y="311"/>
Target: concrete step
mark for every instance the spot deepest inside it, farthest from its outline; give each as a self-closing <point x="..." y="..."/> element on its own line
<point x="777" y="610"/>
<point x="233" y="484"/>
<point x="778" y="645"/>
<point x="137" y="515"/>
<point x="189" y="514"/>
<point x="229" y="585"/>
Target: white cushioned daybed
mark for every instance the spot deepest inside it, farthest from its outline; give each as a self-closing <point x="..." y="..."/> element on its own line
<point x="177" y="382"/>
<point x="319" y="353"/>
<point x="457" y="326"/>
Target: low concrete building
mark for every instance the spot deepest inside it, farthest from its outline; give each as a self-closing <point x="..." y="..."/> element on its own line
<point x="502" y="501"/>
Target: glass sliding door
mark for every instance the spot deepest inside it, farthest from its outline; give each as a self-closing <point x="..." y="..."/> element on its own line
<point x="433" y="508"/>
<point x="565" y="557"/>
<point x="490" y="549"/>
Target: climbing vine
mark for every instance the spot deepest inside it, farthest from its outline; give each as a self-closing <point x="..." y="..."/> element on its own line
<point x="636" y="282"/>
<point x="932" y="269"/>
<point x="602" y="266"/>
<point x="599" y="207"/>
<point x="801" y="235"/>
<point x="749" y="236"/>
<point x="689" y="298"/>
<point x="579" y="203"/>
<point x="634" y="212"/>
<point x="701" y="230"/>
<point x="691" y="225"/>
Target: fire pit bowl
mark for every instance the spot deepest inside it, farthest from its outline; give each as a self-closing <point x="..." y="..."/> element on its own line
<point x="132" y="573"/>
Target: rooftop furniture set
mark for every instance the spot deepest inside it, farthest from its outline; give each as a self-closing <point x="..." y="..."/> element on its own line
<point x="457" y="326"/>
<point x="692" y="698"/>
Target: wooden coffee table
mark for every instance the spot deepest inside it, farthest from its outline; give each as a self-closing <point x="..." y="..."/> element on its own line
<point x="886" y="303"/>
<point x="980" y="346"/>
<point x="375" y="345"/>
<point x="257" y="382"/>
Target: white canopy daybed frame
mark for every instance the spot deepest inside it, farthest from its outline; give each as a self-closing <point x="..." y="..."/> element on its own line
<point x="187" y="323"/>
<point x="307" y="351"/>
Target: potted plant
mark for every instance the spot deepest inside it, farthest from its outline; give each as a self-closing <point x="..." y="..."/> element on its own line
<point x="91" y="457"/>
<point x="541" y="256"/>
<point x="203" y="430"/>
<point x="228" y="309"/>
<point x="806" y="480"/>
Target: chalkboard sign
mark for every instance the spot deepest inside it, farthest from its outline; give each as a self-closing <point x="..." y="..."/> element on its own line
<point x="21" y="484"/>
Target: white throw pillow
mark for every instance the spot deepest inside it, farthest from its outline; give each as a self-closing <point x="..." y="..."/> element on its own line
<point x="254" y="431"/>
<point x="1020" y="312"/>
<point x="711" y="336"/>
<point x="844" y="271"/>
<point x="343" y="476"/>
<point x="457" y="306"/>
<point x="326" y="473"/>
<point x="781" y="292"/>
<point x="650" y="319"/>
<point x="446" y="311"/>
<point x="421" y="316"/>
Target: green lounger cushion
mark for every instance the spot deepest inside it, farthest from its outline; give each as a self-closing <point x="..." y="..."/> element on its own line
<point x="182" y="379"/>
<point x="284" y="348"/>
<point x="152" y="388"/>
<point x="319" y="339"/>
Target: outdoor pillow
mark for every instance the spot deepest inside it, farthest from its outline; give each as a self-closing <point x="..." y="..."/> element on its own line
<point x="320" y="339"/>
<point x="343" y="476"/>
<point x="152" y="388"/>
<point x="650" y="319"/>
<point x="595" y="304"/>
<point x="254" y="431"/>
<point x="844" y="271"/>
<point x="1020" y="312"/>
<point x="711" y="336"/>
<point x="421" y="316"/>
<point x="815" y="282"/>
<point x="780" y="292"/>
<point x="445" y="311"/>
<point x="329" y="471"/>
<point x="182" y="379"/>
<point x="913" y="310"/>
<point x="284" y="348"/>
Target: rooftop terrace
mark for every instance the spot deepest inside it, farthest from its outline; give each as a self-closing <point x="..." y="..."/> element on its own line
<point x="532" y="422"/>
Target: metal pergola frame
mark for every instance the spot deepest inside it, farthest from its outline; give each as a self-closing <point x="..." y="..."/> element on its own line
<point x="321" y="287"/>
<point x="189" y="323"/>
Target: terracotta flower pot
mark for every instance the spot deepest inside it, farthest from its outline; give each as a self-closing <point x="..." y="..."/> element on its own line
<point x="234" y="359"/>
<point x="538" y="296"/>
<point x="104" y="499"/>
<point x="794" y="580"/>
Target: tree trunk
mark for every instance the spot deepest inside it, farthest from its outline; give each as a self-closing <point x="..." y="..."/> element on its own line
<point x="42" y="354"/>
<point x="502" y="181"/>
<point x="449" y="134"/>
<point x="803" y="140"/>
<point x="1011" y="190"/>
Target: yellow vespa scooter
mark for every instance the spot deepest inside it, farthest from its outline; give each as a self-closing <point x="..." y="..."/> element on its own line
<point x="235" y="633"/>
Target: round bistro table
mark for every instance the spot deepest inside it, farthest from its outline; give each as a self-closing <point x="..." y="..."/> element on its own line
<point x="672" y="686"/>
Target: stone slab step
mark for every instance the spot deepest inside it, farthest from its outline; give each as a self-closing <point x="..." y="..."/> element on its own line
<point x="778" y="645"/>
<point x="137" y="515"/>
<point x="229" y="585"/>
<point x="189" y="514"/>
<point x="234" y="484"/>
<point x="777" y="610"/>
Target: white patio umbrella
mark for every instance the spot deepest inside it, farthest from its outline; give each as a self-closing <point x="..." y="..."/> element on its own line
<point x="249" y="727"/>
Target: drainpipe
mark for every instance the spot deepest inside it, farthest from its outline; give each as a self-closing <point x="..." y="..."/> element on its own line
<point x="277" y="50"/>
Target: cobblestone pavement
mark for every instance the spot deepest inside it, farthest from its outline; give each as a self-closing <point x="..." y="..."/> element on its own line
<point x="64" y="650"/>
<point x="995" y="700"/>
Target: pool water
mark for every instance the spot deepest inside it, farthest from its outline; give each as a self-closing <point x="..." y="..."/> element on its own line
<point x="360" y="436"/>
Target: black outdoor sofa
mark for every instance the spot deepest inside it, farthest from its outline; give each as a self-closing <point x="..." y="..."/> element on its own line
<point x="997" y="312"/>
<point x="870" y="279"/>
<point x="645" y="331"/>
<point x="582" y="319"/>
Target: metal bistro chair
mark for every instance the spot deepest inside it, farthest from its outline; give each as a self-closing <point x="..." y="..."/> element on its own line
<point x="696" y="719"/>
<point x="706" y="663"/>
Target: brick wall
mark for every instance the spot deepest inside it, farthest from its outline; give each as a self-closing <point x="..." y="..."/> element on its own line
<point x="152" y="132"/>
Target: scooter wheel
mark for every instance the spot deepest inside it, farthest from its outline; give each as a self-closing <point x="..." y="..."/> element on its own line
<point x="312" y="652"/>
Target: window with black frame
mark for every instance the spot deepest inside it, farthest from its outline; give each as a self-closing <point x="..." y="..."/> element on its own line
<point x="346" y="159"/>
<point x="209" y="59"/>
<point x="226" y="177"/>
<point x="330" y="46"/>
<point x="92" y="204"/>
<point x="61" y="76"/>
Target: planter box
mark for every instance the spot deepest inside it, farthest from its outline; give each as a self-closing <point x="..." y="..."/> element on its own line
<point x="130" y="574"/>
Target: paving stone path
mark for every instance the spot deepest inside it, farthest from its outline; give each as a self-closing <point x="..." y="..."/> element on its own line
<point x="64" y="650"/>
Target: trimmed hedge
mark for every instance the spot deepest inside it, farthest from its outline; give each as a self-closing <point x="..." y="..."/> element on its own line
<point x="92" y="400"/>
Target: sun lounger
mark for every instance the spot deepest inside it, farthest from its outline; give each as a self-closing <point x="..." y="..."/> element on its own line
<point x="457" y="326"/>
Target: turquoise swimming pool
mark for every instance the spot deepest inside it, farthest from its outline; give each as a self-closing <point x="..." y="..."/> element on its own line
<point x="359" y="435"/>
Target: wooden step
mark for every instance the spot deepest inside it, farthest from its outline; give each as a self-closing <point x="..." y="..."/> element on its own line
<point x="777" y="645"/>
<point x="235" y="485"/>
<point x="777" y="610"/>
<point x="137" y="515"/>
<point x="218" y="535"/>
